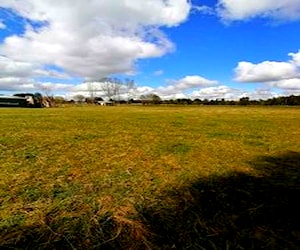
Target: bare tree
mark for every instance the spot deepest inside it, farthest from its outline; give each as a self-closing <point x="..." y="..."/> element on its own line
<point x="107" y="86"/>
<point x="130" y="88"/>
<point x="112" y="88"/>
<point x="46" y="90"/>
<point x="91" y="89"/>
<point x="48" y="96"/>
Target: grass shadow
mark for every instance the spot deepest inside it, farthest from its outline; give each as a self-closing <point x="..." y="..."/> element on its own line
<point x="237" y="211"/>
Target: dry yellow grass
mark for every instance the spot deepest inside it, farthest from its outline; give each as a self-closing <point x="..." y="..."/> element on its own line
<point x="70" y="169"/>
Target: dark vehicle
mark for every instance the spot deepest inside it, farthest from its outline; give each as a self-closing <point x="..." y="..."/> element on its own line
<point x="12" y="101"/>
<point x="22" y="100"/>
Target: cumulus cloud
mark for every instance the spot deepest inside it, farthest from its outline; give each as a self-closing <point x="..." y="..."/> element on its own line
<point x="93" y="39"/>
<point x="193" y="81"/>
<point x="179" y="88"/>
<point x="14" y="68"/>
<point x="219" y="92"/>
<point x="231" y="10"/>
<point x="174" y="89"/>
<point x="288" y="92"/>
<point x="223" y="92"/>
<point x="10" y="67"/>
<point x="261" y="94"/>
<point x="287" y="84"/>
<point x="229" y="93"/>
<point x="282" y="75"/>
<point x="265" y="71"/>
<point x="16" y="84"/>
<point x="295" y="58"/>
<point x="23" y="84"/>
<point x="203" y="91"/>
<point x="22" y="76"/>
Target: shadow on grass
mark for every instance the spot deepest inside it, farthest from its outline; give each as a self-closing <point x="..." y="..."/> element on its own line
<point x="237" y="211"/>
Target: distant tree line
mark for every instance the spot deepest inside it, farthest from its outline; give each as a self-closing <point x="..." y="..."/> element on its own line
<point x="116" y="91"/>
<point x="291" y="100"/>
<point x="113" y="89"/>
<point x="153" y="99"/>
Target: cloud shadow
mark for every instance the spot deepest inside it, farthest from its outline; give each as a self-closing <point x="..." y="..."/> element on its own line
<point x="237" y="211"/>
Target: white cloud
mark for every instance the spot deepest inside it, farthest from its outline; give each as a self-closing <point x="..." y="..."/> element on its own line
<point x="15" y="84"/>
<point x="204" y="9"/>
<point x="51" y="88"/>
<point x="175" y="89"/>
<point x="231" y="10"/>
<point x="261" y="94"/>
<point x="2" y="25"/>
<point x="219" y="92"/>
<point x="23" y="84"/>
<point x="287" y="84"/>
<point x="158" y="73"/>
<point x="295" y="58"/>
<point x="178" y="88"/>
<point x="11" y="68"/>
<point x="288" y="92"/>
<point x="14" y="68"/>
<point x="95" y="38"/>
<point x="170" y="92"/>
<point x="229" y="93"/>
<point x="282" y="75"/>
<point x="144" y="90"/>
<point x="20" y="76"/>
<point x="193" y="81"/>
<point x="265" y="71"/>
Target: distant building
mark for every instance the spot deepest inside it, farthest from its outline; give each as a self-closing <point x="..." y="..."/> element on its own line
<point x="21" y="100"/>
<point x="105" y="103"/>
<point x="13" y="101"/>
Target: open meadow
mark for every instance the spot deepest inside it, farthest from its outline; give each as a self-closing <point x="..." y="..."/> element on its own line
<point x="150" y="177"/>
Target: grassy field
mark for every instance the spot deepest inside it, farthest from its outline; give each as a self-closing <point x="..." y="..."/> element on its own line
<point x="150" y="178"/>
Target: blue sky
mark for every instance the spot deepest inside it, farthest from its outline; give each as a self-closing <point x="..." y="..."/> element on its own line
<point x="177" y="48"/>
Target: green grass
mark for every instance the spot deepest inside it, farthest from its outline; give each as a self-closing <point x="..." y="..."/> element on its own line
<point x="149" y="177"/>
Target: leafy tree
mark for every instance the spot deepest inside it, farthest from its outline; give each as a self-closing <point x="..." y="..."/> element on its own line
<point x="197" y="101"/>
<point x="244" y="101"/>
<point x="79" y="98"/>
<point x="150" y="99"/>
<point x="59" y="99"/>
<point x="98" y="99"/>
